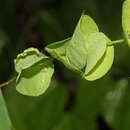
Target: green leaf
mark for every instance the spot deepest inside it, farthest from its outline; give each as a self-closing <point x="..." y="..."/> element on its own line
<point x="87" y="48"/>
<point x="77" y="49"/>
<point x="43" y="112"/>
<point x="102" y="66"/>
<point x="96" y="49"/>
<point x="88" y="100"/>
<point x="73" y="52"/>
<point x="5" y="123"/>
<point x="58" y="51"/>
<point x="70" y="122"/>
<point x="87" y="25"/>
<point x="115" y="106"/>
<point x="126" y="20"/>
<point x="65" y="123"/>
<point x="34" y="80"/>
<point x="28" y="58"/>
<point x="34" y="72"/>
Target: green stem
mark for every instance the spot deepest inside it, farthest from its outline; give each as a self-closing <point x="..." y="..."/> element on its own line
<point x="116" y="42"/>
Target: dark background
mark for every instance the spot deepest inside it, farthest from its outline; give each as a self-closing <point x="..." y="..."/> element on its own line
<point x="70" y="103"/>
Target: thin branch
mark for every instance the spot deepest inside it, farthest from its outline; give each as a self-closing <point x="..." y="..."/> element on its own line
<point x="7" y="82"/>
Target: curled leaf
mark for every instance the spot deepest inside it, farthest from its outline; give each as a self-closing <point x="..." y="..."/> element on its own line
<point x="35" y="80"/>
<point x="86" y="52"/>
<point x="72" y="52"/>
<point x="96" y="49"/>
<point x="103" y="65"/>
<point x="58" y="51"/>
<point x="27" y="59"/>
<point x="34" y="72"/>
<point x="77" y="49"/>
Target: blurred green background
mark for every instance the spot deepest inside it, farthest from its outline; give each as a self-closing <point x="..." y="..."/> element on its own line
<point x="70" y="103"/>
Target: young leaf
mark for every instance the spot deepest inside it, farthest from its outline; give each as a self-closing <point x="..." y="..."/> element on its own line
<point x="73" y="52"/>
<point x="58" y="51"/>
<point x="34" y="80"/>
<point x="103" y="65"/>
<point x="96" y="49"/>
<point x="77" y="49"/>
<point x="126" y="20"/>
<point x="87" y="48"/>
<point x="5" y="123"/>
<point x="34" y="72"/>
<point x="87" y="25"/>
<point x="27" y="59"/>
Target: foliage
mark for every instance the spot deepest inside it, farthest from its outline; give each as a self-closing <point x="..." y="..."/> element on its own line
<point x="4" y="118"/>
<point x="34" y="70"/>
<point x="68" y="100"/>
<point x="87" y="52"/>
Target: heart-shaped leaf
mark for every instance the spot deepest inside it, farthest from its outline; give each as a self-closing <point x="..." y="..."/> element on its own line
<point x="126" y="20"/>
<point x="103" y="65"/>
